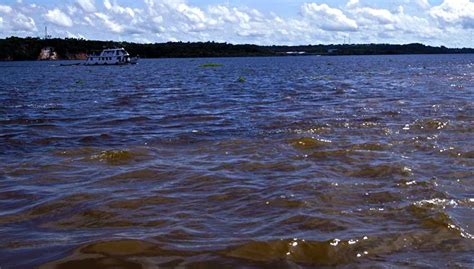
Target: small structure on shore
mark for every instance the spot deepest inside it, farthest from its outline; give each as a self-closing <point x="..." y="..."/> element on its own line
<point x="47" y="54"/>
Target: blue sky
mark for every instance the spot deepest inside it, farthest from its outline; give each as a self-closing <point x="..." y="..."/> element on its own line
<point x="434" y="22"/>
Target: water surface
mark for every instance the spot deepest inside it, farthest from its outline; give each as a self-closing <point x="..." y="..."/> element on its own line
<point x="304" y="162"/>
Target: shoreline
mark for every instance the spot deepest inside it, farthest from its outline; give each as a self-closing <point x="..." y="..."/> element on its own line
<point x="15" y="48"/>
<point x="253" y="56"/>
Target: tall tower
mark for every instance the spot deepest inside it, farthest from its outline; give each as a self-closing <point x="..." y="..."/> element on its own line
<point x="46" y="36"/>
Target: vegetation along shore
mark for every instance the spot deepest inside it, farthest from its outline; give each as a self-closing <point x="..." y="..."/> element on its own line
<point x="15" y="48"/>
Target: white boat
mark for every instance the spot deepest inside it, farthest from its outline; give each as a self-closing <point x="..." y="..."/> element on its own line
<point x="111" y="57"/>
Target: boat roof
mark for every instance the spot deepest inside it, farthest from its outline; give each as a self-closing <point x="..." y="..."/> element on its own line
<point x="114" y="49"/>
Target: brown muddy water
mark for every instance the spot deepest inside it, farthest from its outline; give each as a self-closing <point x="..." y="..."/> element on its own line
<point x="305" y="162"/>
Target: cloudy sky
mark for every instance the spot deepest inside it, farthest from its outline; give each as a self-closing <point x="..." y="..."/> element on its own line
<point x="434" y="22"/>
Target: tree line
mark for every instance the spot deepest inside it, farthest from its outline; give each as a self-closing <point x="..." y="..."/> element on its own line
<point x="16" y="48"/>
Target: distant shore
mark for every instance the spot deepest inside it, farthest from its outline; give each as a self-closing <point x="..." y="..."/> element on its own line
<point x="17" y="49"/>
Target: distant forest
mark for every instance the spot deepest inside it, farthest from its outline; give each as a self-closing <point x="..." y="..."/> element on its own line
<point x="15" y="48"/>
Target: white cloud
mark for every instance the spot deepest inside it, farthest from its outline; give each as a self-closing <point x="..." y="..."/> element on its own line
<point x="455" y="12"/>
<point x="381" y="16"/>
<point x="316" y="22"/>
<point x="109" y="23"/>
<point x="381" y="25"/>
<point x="120" y="10"/>
<point x="107" y="4"/>
<point x="72" y="10"/>
<point x="194" y="14"/>
<point x="229" y="15"/>
<point x="87" y="5"/>
<point x="72" y="35"/>
<point x="327" y="18"/>
<point x="352" y="3"/>
<point x="23" y="23"/>
<point x="5" y="9"/>
<point x="422" y="3"/>
<point x="15" y="21"/>
<point x="59" y="18"/>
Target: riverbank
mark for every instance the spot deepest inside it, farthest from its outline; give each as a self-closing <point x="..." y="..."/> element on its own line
<point x="15" y="48"/>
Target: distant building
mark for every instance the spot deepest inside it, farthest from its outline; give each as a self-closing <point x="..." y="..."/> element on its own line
<point x="48" y="53"/>
<point x="332" y="51"/>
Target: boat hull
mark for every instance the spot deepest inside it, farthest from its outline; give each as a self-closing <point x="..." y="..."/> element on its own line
<point x="102" y="63"/>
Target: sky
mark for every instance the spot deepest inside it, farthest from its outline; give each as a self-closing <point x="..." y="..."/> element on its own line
<point x="265" y="22"/>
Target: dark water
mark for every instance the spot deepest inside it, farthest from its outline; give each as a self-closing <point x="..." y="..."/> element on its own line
<point x="310" y="162"/>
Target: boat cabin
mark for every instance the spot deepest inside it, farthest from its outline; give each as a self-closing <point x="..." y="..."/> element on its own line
<point x="111" y="57"/>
